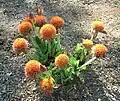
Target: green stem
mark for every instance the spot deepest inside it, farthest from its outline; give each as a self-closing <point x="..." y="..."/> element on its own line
<point x="58" y="40"/>
<point x="34" y="28"/>
<point x="39" y="29"/>
<point x="61" y="76"/>
<point x="49" y="48"/>
<point x="88" y="62"/>
<point x="30" y="36"/>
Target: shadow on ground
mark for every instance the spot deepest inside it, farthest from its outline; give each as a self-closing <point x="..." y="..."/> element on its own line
<point x="91" y="90"/>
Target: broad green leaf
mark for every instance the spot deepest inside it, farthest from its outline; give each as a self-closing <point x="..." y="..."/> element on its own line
<point x="72" y="60"/>
<point x="77" y="63"/>
<point x="79" y="49"/>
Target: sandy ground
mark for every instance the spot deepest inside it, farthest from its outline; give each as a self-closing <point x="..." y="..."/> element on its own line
<point x="102" y="80"/>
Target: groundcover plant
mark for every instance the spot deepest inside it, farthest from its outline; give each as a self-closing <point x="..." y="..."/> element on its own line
<point x="50" y="64"/>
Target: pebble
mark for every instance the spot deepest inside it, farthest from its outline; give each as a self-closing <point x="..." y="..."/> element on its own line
<point x="34" y="89"/>
<point x="9" y="74"/>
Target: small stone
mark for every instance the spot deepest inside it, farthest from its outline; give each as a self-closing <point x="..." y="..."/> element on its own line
<point x="9" y="74"/>
<point x="34" y="89"/>
<point x="1" y="41"/>
<point x="99" y="99"/>
<point x="115" y="88"/>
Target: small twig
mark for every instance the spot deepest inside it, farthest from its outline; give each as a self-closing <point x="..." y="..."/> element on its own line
<point x="94" y="35"/>
<point x="88" y="62"/>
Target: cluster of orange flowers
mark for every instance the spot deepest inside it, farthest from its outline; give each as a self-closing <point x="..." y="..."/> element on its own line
<point x="48" y="32"/>
<point x="98" y="50"/>
<point x="34" y="67"/>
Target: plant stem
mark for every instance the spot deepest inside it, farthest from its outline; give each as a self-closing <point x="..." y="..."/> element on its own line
<point x="34" y="28"/>
<point x="88" y="62"/>
<point x="58" y="40"/>
<point x="49" y="47"/>
<point x="61" y="76"/>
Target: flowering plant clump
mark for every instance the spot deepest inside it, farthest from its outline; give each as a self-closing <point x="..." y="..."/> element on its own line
<point x="48" y="62"/>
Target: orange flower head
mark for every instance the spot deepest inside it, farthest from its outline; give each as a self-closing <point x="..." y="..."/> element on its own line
<point x="98" y="26"/>
<point x="20" y="45"/>
<point x="57" y="21"/>
<point x="32" y="67"/>
<point x="40" y="20"/>
<point x="24" y="28"/>
<point x="47" y="31"/>
<point x="62" y="60"/>
<point x="87" y="43"/>
<point x="47" y="85"/>
<point x="99" y="50"/>
<point x="29" y="18"/>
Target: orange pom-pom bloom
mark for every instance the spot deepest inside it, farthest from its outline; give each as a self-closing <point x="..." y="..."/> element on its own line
<point x="20" y="45"/>
<point x="47" y="85"/>
<point x="99" y="50"/>
<point x="98" y="26"/>
<point x="47" y="31"/>
<point x="28" y="19"/>
<point x="40" y="20"/>
<point x="62" y="60"/>
<point x="24" y="28"/>
<point x="32" y="67"/>
<point x="57" y="21"/>
<point x="87" y="43"/>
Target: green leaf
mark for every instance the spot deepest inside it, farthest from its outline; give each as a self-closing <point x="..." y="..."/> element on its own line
<point x="40" y="44"/>
<point x="43" y="58"/>
<point x="54" y="47"/>
<point x="80" y="53"/>
<point x="33" y="56"/>
<point x="66" y="71"/>
<point x="77" y="63"/>
<point x="72" y="60"/>
<point x="44" y="46"/>
<point x="35" y="43"/>
<point x="82" y="56"/>
<point x="79" y="49"/>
